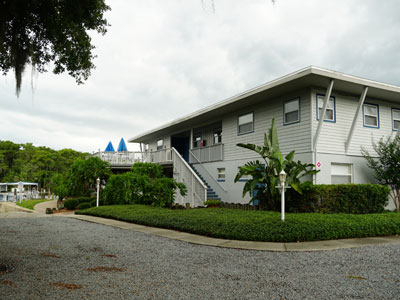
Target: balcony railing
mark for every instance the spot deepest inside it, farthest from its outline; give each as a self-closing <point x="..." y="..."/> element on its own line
<point x="207" y="154"/>
<point x="128" y="158"/>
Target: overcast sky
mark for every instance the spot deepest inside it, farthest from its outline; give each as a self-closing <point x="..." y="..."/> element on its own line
<point x="161" y="60"/>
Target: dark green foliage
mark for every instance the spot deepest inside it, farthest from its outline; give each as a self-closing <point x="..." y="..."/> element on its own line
<point x="25" y="162"/>
<point x="256" y="225"/>
<point x="82" y="175"/>
<point x="71" y="204"/>
<point x="84" y="205"/>
<point x="338" y="198"/>
<point x="43" y="31"/>
<point x="145" y="184"/>
<point x="387" y="165"/>
<point x="264" y="174"/>
<point x="84" y="199"/>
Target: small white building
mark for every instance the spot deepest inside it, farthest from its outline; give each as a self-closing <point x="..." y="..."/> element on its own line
<point x="358" y="112"/>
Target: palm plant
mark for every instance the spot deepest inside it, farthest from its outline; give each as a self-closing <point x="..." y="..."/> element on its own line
<point x="263" y="175"/>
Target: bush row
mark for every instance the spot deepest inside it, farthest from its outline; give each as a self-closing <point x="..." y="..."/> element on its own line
<point x="255" y="225"/>
<point x="339" y="198"/>
<point x="80" y="203"/>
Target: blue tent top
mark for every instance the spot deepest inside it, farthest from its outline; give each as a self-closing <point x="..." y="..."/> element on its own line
<point x="110" y="147"/>
<point x="122" y="146"/>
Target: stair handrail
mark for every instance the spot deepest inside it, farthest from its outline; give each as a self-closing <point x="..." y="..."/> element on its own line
<point x="195" y="157"/>
<point x="183" y="161"/>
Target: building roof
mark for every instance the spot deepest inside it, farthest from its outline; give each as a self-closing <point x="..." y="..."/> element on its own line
<point x="308" y="77"/>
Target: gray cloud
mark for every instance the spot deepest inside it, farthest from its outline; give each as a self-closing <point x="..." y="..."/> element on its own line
<point x="164" y="59"/>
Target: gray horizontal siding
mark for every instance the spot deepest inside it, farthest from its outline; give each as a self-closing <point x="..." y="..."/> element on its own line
<point x="291" y="137"/>
<point x="334" y="135"/>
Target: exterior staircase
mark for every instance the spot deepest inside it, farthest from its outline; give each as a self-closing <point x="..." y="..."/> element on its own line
<point x="211" y="194"/>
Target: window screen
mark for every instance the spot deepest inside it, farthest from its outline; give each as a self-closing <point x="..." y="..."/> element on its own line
<point x="245" y="123"/>
<point x="291" y="111"/>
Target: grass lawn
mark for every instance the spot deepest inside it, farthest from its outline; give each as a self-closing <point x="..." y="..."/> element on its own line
<point x="31" y="203"/>
<point x="254" y="225"/>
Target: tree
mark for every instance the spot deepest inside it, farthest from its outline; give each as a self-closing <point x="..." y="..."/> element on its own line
<point x="387" y="165"/>
<point x="264" y="174"/>
<point x="82" y="175"/>
<point x="38" y="32"/>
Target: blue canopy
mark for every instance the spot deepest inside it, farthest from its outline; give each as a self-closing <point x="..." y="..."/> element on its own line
<point x="110" y="147"/>
<point x="122" y="146"/>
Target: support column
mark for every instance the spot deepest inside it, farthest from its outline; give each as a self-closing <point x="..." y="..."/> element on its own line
<point x="353" y="125"/>
<point x="321" y="117"/>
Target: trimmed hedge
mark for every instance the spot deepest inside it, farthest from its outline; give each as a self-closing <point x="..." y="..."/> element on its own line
<point x="255" y="225"/>
<point x="339" y="198"/>
<point x="84" y="205"/>
<point x="71" y="204"/>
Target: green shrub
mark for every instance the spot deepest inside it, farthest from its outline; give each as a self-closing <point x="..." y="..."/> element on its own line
<point x="144" y="184"/>
<point x="255" y="225"/>
<point x="84" y="205"/>
<point x="213" y="202"/>
<point x="71" y="204"/>
<point x="84" y="199"/>
<point x="93" y="203"/>
<point x="339" y="198"/>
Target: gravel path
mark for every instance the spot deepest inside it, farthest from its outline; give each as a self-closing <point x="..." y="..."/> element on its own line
<point x="62" y="258"/>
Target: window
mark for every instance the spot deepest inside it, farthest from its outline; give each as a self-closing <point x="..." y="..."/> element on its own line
<point x="160" y="144"/>
<point x="341" y="173"/>
<point x="245" y="123"/>
<point x="291" y="111"/>
<point x="371" y="115"/>
<point x="330" y="113"/>
<point x="146" y="147"/>
<point x="217" y="135"/>
<point x="221" y="174"/>
<point x="396" y="119"/>
<point x="196" y="141"/>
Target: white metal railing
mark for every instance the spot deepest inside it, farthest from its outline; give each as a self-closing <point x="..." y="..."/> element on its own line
<point x="128" y="158"/>
<point x="119" y="158"/>
<point x="208" y="153"/>
<point x="196" y="189"/>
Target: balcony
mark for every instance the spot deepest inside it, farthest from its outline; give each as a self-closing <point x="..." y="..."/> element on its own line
<point x="128" y="158"/>
<point x="207" y="154"/>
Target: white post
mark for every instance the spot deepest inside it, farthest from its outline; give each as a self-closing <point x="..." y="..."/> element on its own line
<point x="283" y="202"/>
<point x="98" y="188"/>
<point x="282" y="177"/>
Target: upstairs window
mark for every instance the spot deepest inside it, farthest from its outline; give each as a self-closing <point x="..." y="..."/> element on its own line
<point x="291" y="111"/>
<point x="217" y="135"/>
<point x="146" y="147"/>
<point x="160" y="144"/>
<point x="246" y="123"/>
<point x="371" y="115"/>
<point x="396" y="119"/>
<point x="330" y="113"/>
<point x="341" y="173"/>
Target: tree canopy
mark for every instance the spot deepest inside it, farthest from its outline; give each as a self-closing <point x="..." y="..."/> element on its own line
<point x="25" y="162"/>
<point x="38" y="32"/>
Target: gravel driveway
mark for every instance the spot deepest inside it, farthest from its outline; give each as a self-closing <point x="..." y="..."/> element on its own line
<point x="62" y="258"/>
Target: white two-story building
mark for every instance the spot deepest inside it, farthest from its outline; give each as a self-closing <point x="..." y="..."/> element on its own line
<point x="358" y="112"/>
